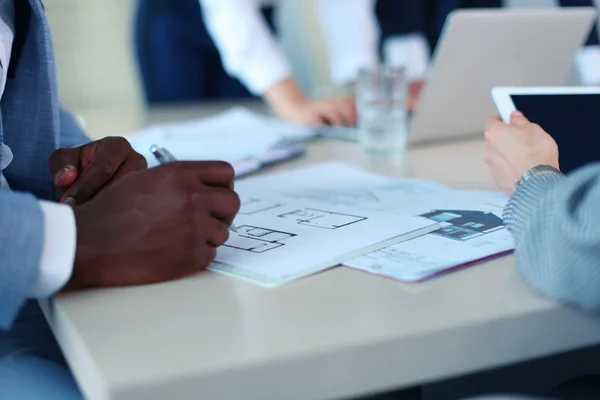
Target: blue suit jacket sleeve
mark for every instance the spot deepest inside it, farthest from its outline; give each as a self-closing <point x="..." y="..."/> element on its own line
<point x="22" y="238"/>
<point x="555" y="223"/>
<point x="71" y="133"/>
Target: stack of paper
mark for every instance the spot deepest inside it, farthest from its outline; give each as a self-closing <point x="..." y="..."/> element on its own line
<point x="471" y="225"/>
<point x="239" y="136"/>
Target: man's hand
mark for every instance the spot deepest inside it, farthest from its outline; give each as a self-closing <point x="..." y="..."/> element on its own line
<point x="154" y="225"/>
<point x="81" y="172"/>
<point x="513" y="149"/>
<point x="339" y="111"/>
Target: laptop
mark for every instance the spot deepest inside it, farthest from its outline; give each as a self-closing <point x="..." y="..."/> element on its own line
<point x="481" y="49"/>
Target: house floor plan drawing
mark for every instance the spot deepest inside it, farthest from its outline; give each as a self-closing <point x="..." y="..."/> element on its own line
<point x="257" y="240"/>
<point x="321" y="218"/>
<point x="280" y="238"/>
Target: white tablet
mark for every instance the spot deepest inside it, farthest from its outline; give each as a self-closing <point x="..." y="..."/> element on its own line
<point x="571" y="115"/>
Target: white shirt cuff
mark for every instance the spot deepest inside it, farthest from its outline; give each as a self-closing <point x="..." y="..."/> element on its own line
<point x="588" y="65"/>
<point x="408" y="51"/>
<point x="58" y="253"/>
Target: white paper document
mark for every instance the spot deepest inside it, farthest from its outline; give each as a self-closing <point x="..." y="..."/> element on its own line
<point x="280" y="240"/>
<point x="471" y="222"/>
<point x="238" y="136"/>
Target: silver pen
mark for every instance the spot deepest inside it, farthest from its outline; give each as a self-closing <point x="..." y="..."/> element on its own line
<point x="164" y="156"/>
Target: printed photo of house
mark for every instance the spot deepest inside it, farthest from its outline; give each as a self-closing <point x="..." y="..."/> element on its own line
<point x="465" y="225"/>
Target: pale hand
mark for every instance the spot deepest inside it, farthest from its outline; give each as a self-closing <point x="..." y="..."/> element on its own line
<point x="328" y="111"/>
<point x="513" y="149"/>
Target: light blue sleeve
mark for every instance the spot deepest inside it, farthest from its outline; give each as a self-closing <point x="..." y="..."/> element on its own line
<point x="21" y="244"/>
<point x="555" y="221"/>
<point x="71" y="133"/>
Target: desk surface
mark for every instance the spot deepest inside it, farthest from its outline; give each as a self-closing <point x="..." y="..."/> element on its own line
<point x="337" y="334"/>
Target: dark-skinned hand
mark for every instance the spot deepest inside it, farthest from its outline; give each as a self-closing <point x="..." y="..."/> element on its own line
<point x="81" y="172"/>
<point x="154" y="225"/>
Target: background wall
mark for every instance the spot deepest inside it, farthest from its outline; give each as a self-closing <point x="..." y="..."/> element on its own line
<point x="93" y="41"/>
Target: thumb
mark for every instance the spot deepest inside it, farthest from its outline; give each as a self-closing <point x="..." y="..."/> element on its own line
<point x="63" y="167"/>
<point x="518" y="119"/>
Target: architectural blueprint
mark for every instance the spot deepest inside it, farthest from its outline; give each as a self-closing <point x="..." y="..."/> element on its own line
<point x="258" y="240"/>
<point x="471" y="226"/>
<point x="321" y="218"/>
<point x="280" y="239"/>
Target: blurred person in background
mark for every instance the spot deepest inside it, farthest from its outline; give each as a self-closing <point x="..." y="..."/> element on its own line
<point x="411" y="29"/>
<point x="192" y="50"/>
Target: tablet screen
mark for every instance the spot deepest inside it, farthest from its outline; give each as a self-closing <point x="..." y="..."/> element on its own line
<point x="573" y="120"/>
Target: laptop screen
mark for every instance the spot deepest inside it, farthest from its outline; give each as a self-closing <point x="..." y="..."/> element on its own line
<point x="573" y="120"/>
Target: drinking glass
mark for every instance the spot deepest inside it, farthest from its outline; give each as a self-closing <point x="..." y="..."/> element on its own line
<point x="381" y="106"/>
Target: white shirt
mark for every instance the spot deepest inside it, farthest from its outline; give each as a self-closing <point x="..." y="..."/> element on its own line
<point x="58" y="252"/>
<point x="250" y="52"/>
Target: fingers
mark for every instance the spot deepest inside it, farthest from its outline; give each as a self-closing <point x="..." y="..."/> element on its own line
<point x="337" y="111"/>
<point x="209" y="173"/>
<point x="65" y="178"/>
<point x="217" y="232"/>
<point x="63" y="167"/>
<point x="90" y="181"/>
<point x="224" y="204"/>
<point x="81" y="172"/>
<point x="492" y="121"/>
<point x="133" y="163"/>
<point x="347" y="110"/>
<point x="518" y="119"/>
<point x="330" y="114"/>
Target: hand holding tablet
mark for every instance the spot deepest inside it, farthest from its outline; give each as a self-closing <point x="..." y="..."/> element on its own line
<point x="570" y="115"/>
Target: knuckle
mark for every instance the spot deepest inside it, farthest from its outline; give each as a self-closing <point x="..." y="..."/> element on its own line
<point x="118" y="141"/>
<point x="226" y="168"/>
<point x="221" y="236"/>
<point x="191" y="202"/>
<point x="536" y="128"/>
<point x="141" y="161"/>
<point x="236" y="202"/>
<point x="490" y="134"/>
<point x="106" y="169"/>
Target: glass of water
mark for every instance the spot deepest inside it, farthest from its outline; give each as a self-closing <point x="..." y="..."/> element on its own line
<point x="381" y="106"/>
